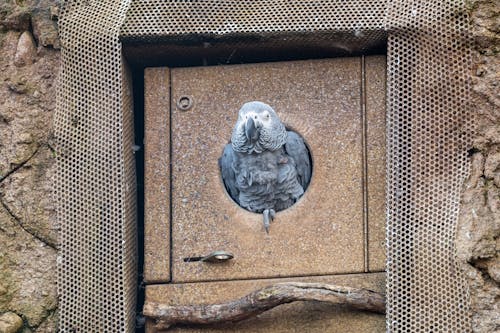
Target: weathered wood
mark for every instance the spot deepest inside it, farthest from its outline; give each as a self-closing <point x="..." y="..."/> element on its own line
<point x="262" y="300"/>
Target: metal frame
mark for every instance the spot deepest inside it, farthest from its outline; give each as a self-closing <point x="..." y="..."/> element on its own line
<point x="427" y="112"/>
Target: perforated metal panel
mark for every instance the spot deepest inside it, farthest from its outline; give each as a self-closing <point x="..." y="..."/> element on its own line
<point x="429" y="127"/>
<point x="153" y="19"/>
<point x="95" y="178"/>
<point x="248" y="31"/>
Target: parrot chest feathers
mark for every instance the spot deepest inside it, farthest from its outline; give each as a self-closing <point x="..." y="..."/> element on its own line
<point x="266" y="181"/>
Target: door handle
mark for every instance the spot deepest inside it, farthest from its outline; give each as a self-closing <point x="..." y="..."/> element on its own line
<point x="214" y="257"/>
<point x="218" y="256"/>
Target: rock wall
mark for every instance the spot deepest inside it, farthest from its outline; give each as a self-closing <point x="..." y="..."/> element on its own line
<point x="29" y="61"/>
<point x="478" y="239"/>
<point x="28" y="229"/>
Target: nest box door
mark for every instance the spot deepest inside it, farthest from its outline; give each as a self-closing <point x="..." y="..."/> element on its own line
<point x="335" y="227"/>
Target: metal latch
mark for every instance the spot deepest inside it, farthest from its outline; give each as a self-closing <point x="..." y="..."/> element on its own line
<point x="218" y="256"/>
<point x="214" y="257"/>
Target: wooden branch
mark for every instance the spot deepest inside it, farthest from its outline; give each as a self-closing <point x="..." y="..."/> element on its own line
<point x="262" y="300"/>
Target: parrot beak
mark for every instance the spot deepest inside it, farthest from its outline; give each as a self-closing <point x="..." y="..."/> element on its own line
<point x="251" y="130"/>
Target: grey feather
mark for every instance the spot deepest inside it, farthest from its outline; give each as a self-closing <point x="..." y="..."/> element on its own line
<point x="296" y="149"/>
<point x="228" y="172"/>
<point x="269" y="171"/>
<point x="265" y="182"/>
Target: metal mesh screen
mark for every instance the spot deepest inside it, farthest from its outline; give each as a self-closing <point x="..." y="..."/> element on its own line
<point x="251" y="31"/>
<point x="428" y="129"/>
<point x="95" y="178"/>
<point x="155" y="19"/>
<point x="428" y="124"/>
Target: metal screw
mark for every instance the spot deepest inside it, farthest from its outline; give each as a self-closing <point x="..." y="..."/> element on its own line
<point x="185" y="103"/>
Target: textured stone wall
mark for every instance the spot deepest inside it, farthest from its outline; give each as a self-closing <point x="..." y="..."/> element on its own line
<point x="28" y="229"/>
<point x="478" y="240"/>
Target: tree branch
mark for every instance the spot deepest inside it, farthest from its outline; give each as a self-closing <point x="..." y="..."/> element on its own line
<point x="262" y="300"/>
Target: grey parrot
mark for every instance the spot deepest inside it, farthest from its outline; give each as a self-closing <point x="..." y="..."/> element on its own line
<point x="265" y="168"/>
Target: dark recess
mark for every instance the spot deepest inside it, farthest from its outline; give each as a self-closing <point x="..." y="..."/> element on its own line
<point x="212" y="50"/>
<point x="138" y="93"/>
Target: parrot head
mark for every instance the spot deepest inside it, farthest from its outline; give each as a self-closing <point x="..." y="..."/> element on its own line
<point x="258" y="128"/>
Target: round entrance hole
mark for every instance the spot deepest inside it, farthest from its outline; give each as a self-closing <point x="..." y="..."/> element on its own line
<point x="269" y="179"/>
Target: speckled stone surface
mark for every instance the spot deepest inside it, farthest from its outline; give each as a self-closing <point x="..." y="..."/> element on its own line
<point x="299" y="317"/>
<point x="156" y="175"/>
<point x="375" y="76"/>
<point x="323" y="232"/>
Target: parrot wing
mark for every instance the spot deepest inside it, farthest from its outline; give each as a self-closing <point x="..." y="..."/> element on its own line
<point x="226" y="164"/>
<point x="296" y="149"/>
